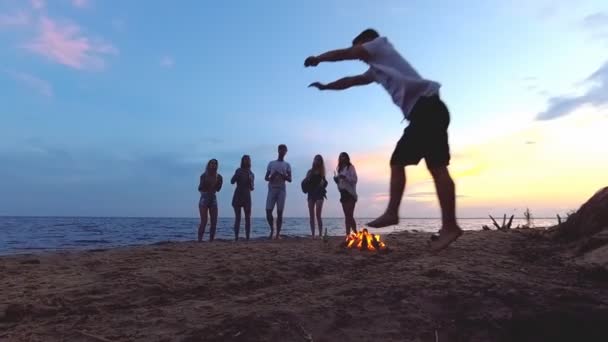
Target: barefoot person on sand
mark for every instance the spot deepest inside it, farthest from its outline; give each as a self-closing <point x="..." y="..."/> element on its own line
<point x="425" y="137"/>
<point x="315" y="185"/>
<point x="277" y="173"/>
<point x="210" y="183"/>
<point x="346" y="178"/>
<point x="244" y="180"/>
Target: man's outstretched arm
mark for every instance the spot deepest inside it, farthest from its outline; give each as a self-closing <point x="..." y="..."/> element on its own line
<point x="351" y="53"/>
<point x="344" y="83"/>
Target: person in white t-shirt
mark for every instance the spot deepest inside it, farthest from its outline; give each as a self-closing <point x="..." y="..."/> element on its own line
<point x="277" y="173"/>
<point x="426" y="135"/>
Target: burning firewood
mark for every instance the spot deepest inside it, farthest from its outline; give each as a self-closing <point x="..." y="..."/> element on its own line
<point x="364" y="241"/>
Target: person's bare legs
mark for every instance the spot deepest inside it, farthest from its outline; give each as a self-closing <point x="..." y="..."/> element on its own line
<point x="279" y="222"/>
<point x="237" y="222"/>
<point x="349" y="221"/>
<point x="391" y="215"/>
<point x="351" y="214"/>
<point x="270" y="220"/>
<point x="201" y="227"/>
<point x="319" y="212"/>
<point x="352" y="224"/>
<point x="446" y="192"/>
<point x="346" y="219"/>
<point x="213" y="216"/>
<point x="311" y="215"/>
<point x="247" y="209"/>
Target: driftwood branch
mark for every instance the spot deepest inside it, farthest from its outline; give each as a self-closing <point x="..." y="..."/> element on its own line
<point x="559" y="219"/>
<point x="495" y="223"/>
<point x="510" y="222"/>
<point x="505" y="225"/>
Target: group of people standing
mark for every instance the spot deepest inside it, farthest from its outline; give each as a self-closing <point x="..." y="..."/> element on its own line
<point x="278" y="173"/>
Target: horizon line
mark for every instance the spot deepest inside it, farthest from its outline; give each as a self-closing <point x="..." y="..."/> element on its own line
<point x="253" y="217"/>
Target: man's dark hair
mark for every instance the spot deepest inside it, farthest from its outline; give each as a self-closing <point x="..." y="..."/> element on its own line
<point x="282" y="146"/>
<point x="366" y="36"/>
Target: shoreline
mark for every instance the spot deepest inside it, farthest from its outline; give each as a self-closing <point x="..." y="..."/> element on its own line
<point x="488" y="286"/>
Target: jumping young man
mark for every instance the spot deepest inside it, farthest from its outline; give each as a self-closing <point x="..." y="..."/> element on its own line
<point x="426" y="135"/>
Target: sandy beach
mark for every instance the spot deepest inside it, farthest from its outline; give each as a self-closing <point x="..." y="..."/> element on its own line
<point x="489" y="286"/>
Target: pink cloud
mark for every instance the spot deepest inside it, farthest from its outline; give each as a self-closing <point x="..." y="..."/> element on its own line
<point x="18" y="19"/>
<point x="64" y="43"/>
<point x="37" y="84"/>
<point x="38" y="4"/>
<point x="80" y="3"/>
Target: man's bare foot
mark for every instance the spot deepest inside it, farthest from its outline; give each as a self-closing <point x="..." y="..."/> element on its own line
<point x="444" y="239"/>
<point x="385" y="220"/>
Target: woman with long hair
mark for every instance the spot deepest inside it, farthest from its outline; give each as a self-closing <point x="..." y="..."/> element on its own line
<point x="345" y="177"/>
<point x="315" y="185"/>
<point x="210" y="183"/>
<point x="244" y="180"/>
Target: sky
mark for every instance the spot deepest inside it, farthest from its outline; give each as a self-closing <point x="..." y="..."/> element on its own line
<point x="113" y="108"/>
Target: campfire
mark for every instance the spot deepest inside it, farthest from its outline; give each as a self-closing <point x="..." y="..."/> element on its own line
<point x="364" y="241"/>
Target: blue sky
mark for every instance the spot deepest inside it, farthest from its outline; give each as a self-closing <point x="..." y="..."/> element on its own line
<point x="113" y="108"/>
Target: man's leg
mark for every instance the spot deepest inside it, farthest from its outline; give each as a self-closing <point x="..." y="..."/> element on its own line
<point x="437" y="155"/>
<point x="408" y="151"/>
<point x="446" y="192"/>
<point x="270" y="201"/>
<point x="279" y="222"/>
<point x="391" y="215"/>
<point x="270" y="220"/>
<point x="282" y="195"/>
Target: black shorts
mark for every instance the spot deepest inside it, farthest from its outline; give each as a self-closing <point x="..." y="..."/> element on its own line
<point x="426" y="136"/>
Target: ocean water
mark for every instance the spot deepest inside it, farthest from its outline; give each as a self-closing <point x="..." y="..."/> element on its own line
<point x="38" y="234"/>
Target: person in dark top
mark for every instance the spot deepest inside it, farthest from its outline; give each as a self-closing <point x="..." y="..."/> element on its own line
<point x="210" y="183"/>
<point x="315" y="185"/>
<point x="244" y="180"/>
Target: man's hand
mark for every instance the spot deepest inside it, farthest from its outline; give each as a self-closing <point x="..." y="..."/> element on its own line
<point x="311" y="61"/>
<point x="317" y="85"/>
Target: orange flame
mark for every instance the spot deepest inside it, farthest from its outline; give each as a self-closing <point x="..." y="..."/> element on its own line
<point x="363" y="240"/>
